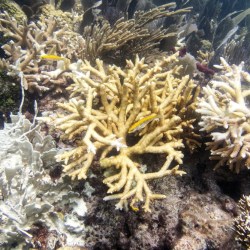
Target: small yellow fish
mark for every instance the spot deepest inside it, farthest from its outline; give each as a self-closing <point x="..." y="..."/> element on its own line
<point x="141" y="123"/>
<point x="135" y="209"/>
<point x="52" y="57"/>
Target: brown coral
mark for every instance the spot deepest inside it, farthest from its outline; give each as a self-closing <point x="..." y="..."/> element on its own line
<point x="128" y="37"/>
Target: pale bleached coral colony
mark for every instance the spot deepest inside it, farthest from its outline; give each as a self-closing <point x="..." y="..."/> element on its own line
<point x="147" y="99"/>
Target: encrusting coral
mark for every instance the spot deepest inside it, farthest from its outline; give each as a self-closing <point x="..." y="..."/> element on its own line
<point x="152" y="105"/>
<point x="225" y="115"/>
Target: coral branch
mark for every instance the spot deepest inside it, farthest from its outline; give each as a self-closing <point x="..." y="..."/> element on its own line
<point x="225" y="115"/>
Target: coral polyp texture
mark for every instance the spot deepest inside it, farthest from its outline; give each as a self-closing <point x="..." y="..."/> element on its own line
<point x="225" y="116"/>
<point x="150" y="105"/>
<point x="241" y="225"/>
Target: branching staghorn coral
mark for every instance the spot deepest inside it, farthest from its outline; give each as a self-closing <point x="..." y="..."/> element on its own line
<point x="149" y="104"/>
<point x="128" y="37"/>
<point x="225" y="116"/>
<point x="27" y="42"/>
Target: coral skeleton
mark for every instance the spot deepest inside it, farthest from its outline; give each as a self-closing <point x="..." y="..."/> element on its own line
<point x="225" y="115"/>
<point x="152" y="105"/>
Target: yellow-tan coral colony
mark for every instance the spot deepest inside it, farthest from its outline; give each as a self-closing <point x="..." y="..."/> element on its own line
<point x="29" y="43"/>
<point x="226" y="116"/>
<point x="116" y="100"/>
<point x="55" y="34"/>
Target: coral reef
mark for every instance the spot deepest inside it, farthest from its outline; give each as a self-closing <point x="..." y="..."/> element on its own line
<point x="225" y="116"/>
<point x="128" y="113"/>
<point x="222" y="26"/>
<point x="62" y="18"/>
<point x="238" y="49"/>
<point x="30" y="197"/>
<point x="241" y="225"/>
<point x="126" y="76"/>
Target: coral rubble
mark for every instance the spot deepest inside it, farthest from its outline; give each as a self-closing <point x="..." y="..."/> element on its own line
<point x="225" y="115"/>
<point x="149" y="106"/>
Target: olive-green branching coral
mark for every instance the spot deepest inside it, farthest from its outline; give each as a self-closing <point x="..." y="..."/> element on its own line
<point x="242" y="222"/>
<point x="225" y="115"/>
<point x="128" y="37"/>
<point x="14" y="10"/>
<point x="146" y="104"/>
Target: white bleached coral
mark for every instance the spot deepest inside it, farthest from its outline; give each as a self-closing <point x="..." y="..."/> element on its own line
<point x="29" y="196"/>
<point x="225" y="115"/>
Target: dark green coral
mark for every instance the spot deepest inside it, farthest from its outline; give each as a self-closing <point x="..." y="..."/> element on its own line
<point x="13" y="9"/>
<point x="9" y="93"/>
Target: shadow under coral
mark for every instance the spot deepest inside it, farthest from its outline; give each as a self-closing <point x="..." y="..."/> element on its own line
<point x="198" y="212"/>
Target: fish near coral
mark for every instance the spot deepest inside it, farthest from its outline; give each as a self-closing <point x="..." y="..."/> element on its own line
<point x="52" y="57"/>
<point x="63" y="61"/>
<point x="142" y="123"/>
